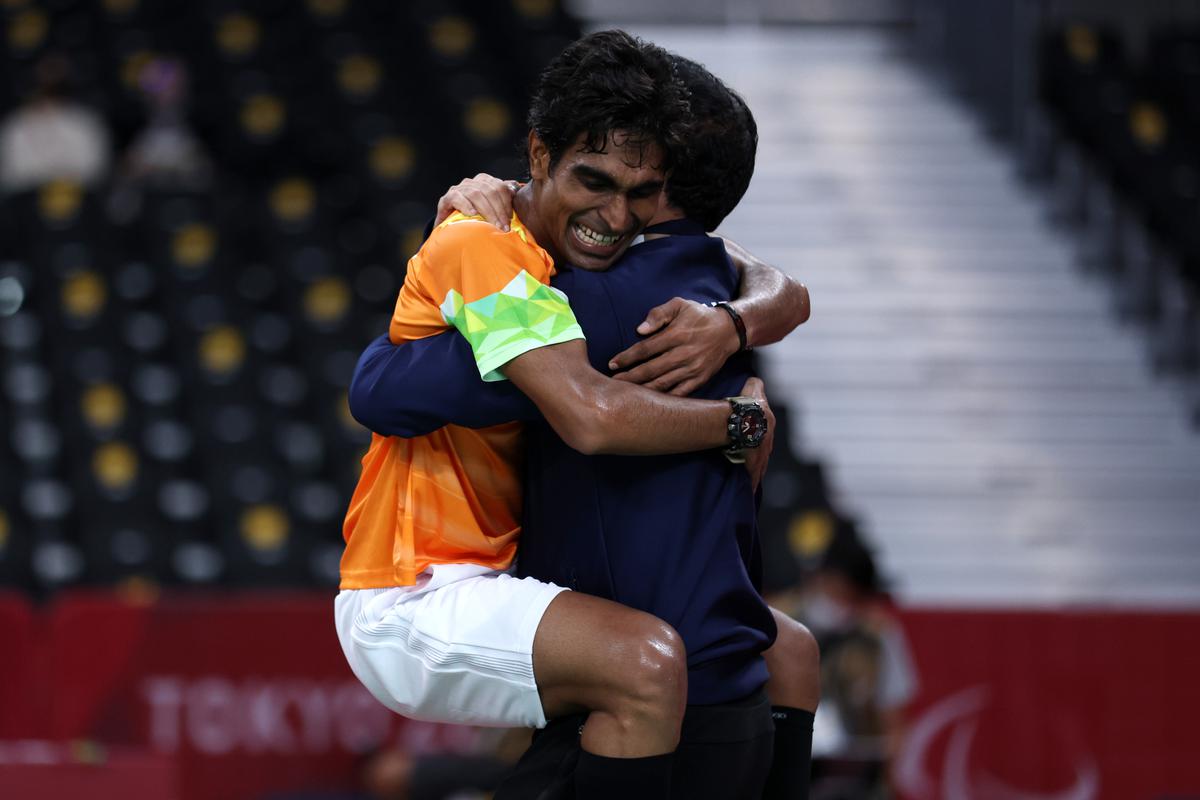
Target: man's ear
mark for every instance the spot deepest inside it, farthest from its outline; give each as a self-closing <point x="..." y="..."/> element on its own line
<point x="539" y="158"/>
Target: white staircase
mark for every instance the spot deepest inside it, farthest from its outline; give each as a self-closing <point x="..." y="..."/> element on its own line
<point x="975" y="403"/>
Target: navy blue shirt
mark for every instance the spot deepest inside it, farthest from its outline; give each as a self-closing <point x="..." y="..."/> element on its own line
<point x="675" y="535"/>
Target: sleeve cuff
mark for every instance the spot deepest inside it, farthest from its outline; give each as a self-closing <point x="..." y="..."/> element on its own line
<point x="491" y="363"/>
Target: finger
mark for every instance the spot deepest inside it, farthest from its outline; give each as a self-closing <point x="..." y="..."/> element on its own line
<point x="660" y="316"/>
<point x="685" y="388"/>
<point x="753" y="388"/>
<point x="445" y="208"/>
<point x="486" y="178"/>
<point x="485" y="202"/>
<point x="494" y="194"/>
<point x="667" y="381"/>
<point x="653" y="369"/>
<point x="454" y="200"/>
<point x="656" y="345"/>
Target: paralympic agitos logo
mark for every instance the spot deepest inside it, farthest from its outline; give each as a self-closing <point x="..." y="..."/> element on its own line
<point x="957" y="717"/>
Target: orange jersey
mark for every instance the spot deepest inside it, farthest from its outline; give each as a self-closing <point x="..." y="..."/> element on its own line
<point x="454" y="496"/>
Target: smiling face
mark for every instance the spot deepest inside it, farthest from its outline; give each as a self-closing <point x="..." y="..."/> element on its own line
<point x="588" y="207"/>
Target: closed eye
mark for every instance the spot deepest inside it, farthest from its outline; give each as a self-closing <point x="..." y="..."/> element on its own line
<point x="644" y="192"/>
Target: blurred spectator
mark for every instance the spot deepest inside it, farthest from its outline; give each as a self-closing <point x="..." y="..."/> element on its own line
<point x="50" y="136"/>
<point x="867" y="671"/>
<point x="166" y="154"/>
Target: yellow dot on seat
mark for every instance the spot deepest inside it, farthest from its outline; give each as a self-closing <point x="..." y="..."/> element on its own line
<point x="359" y="75"/>
<point x="411" y="241"/>
<point x="222" y="350"/>
<point x="120" y="8"/>
<point x="1148" y="125"/>
<point x="194" y="245"/>
<point x="132" y="67"/>
<point x="534" y="9"/>
<point x="327" y="300"/>
<point x="263" y="115"/>
<point x="27" y="31"/>
<point x="265" y="527"/>
<point x="487" y="119"/>
<point x="103" y="406"/>
<point x="115" y="466"/>
<point x="810" y="533"/>
<point x="1082" y="44"/>
<point x="345" y="417"/>
<point x="452" y="36"/>
<point x="59" y="200"/>
<point x="392" y="158"/>
<point x="238" y="34"/>
<point x="326" y="9"/>
<point x="83" y="295"/>
<point x="293" y="200"/>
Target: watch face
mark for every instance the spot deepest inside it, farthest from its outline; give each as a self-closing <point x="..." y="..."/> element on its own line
<point x="747" y="424"/>
<point x="754" y="427"/>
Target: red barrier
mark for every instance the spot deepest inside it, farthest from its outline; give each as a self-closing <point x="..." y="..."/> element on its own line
<point x="1053" y="706"/>
<point x="50" y="771"/>
<point x="249" y="694"/>
<point x="19" y="712"/>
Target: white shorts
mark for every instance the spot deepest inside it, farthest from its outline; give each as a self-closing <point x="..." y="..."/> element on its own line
<point x="456" y="647"/>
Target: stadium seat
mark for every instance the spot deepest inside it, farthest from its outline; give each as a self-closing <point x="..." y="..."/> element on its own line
<point x="175" y="360"/>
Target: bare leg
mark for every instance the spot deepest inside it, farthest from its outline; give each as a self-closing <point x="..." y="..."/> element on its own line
<point x="794" y="662"/>
<point x="627" y="667"/>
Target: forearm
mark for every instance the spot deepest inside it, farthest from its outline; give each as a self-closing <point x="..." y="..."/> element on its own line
<point x="415" y="388"/>
<point x="595" y="414"/>
<point x="770" y="303"/>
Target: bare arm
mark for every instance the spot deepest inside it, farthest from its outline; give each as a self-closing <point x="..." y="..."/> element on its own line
<point x="771" y="303"/>
<point x="594" y="414"/>
<point x="687" y="342"/>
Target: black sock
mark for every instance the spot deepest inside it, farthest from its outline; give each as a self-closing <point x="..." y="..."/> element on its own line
<point x="604" y="778"/>
<point x="788" y="778"/>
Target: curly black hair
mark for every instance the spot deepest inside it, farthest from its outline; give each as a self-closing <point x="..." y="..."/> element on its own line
<point x="714" y="169"/>
<point x="605" y="82"/>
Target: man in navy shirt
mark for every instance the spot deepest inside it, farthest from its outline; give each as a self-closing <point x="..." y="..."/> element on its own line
<point x="671" y="535"/>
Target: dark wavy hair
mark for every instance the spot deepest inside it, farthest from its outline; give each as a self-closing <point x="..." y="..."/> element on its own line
<point x="714" y="169"/>
<point x="605" y="82"/>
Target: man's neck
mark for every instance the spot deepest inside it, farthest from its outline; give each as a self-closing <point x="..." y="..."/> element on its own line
<point x="667" y="213"/>
<point x="525" y="207"/>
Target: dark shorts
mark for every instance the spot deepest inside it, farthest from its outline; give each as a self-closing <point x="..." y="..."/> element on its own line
<point x="724" y="754"/>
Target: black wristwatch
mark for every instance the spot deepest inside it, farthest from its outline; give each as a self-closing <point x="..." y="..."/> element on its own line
<point x="747" y="427"/>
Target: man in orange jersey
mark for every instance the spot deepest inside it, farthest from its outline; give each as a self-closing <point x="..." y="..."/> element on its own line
<point x="429" y="617"/>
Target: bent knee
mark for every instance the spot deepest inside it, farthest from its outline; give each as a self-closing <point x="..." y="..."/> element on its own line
<point x="797" y="642"/>
<point x="655" y="667"/>
<point x="794" y="662"/>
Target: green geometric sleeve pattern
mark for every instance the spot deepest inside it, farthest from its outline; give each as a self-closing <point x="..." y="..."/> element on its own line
<point x="524" y="315"/>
